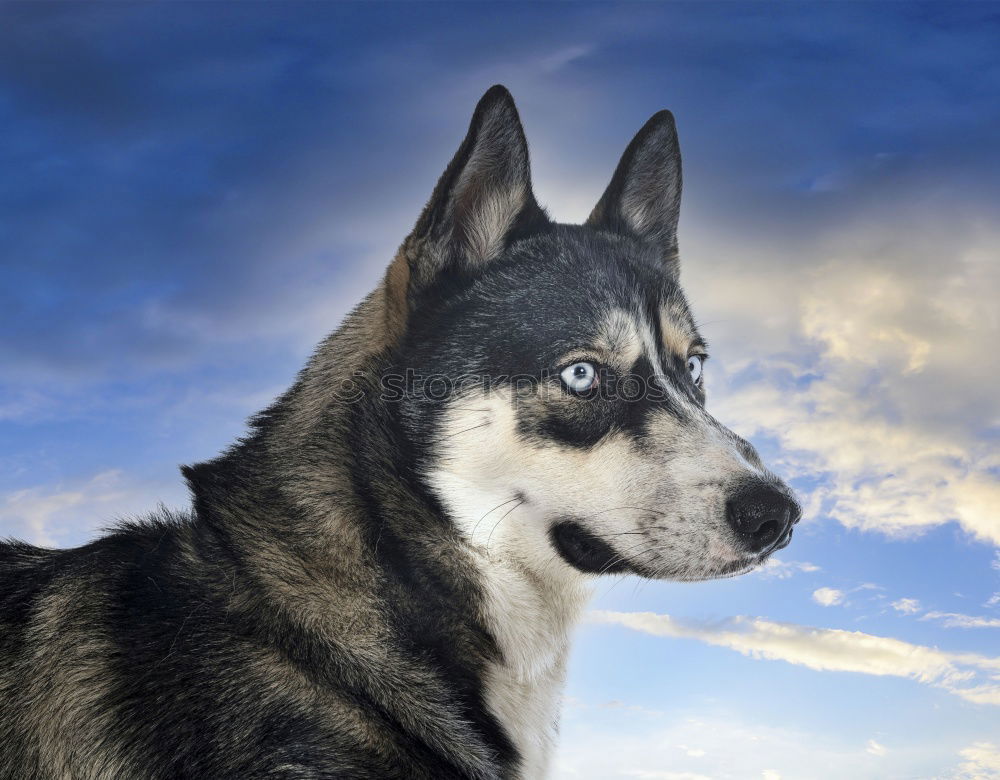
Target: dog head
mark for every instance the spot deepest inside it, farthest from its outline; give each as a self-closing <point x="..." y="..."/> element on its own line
<point x="554" y="395"/>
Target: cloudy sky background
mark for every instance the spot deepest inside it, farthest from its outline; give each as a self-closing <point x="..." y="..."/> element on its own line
<point x="193" y="195"/>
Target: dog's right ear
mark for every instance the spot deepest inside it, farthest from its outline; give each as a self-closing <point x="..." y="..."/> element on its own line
<point x="481" y="202"/>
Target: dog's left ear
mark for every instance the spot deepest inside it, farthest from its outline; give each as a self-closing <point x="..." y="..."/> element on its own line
<point x="482" y="201"/>
<point x="644" y="196"/>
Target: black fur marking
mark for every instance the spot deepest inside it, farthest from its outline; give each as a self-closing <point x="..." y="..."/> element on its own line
<point x="585" y="551"/>
<point x="516" y="319"/>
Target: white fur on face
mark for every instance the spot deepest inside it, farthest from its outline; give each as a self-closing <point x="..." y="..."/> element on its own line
<point x="660" y="505"/>
<point x="531" y="599"/>
<point x="662" y="508"/>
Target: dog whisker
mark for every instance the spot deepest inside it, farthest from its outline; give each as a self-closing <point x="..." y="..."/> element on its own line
<point x="472" y="535"/>
<point x="466" y="430"/>
<point x="490" y="537"/>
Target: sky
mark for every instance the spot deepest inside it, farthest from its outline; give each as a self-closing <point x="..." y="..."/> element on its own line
<point x="193" y="195"/>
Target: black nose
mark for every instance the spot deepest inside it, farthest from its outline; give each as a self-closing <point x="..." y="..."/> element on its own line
<point x="762" y="516"/>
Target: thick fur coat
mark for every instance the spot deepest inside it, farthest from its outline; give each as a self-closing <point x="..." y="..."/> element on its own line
<point x="380" y="580"/>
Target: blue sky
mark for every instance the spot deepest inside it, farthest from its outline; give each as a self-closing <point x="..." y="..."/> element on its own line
<point x="194" y="194"/>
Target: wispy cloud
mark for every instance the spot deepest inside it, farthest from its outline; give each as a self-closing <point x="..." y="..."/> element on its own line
<point x="53" y="516"/>
<point x="969" y="675"/>
<point x="980" y="761"/>
<point x="779" y="569"/>
<point x="875" y="748"/>
<point x="958" y="620"/>
<point x="906" y="606"/>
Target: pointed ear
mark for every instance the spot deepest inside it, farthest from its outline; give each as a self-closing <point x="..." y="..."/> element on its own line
<point x="644" y="196"/>
<point x="482" y="200"/>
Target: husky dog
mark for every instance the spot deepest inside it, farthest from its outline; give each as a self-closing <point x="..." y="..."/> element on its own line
<point x="381" y="579"/>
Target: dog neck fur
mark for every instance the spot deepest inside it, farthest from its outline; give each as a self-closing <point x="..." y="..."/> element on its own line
<point x="531" y="598"/>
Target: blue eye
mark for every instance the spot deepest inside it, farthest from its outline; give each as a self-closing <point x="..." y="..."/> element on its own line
<point x="695" y="364"/>
<point x="579" y="377"/>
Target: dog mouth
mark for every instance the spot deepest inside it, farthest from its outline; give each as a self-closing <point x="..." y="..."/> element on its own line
<point x="781" y="544"/>
<point x="586" y="552"/>
<point x="748" y="563"/>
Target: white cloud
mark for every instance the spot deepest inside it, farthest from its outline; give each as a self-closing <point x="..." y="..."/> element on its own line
<point x="782" y="570"/>
<point x="907" y="606"/>
<point x="958" y="620"/>
<point x="968" y="675"/>
<point x="875" y="748"/>
<point x="981" y="762"/>
<point x="828" y="597"/>
<point x="53" y="516"/>
<point x="867" y="357"/>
